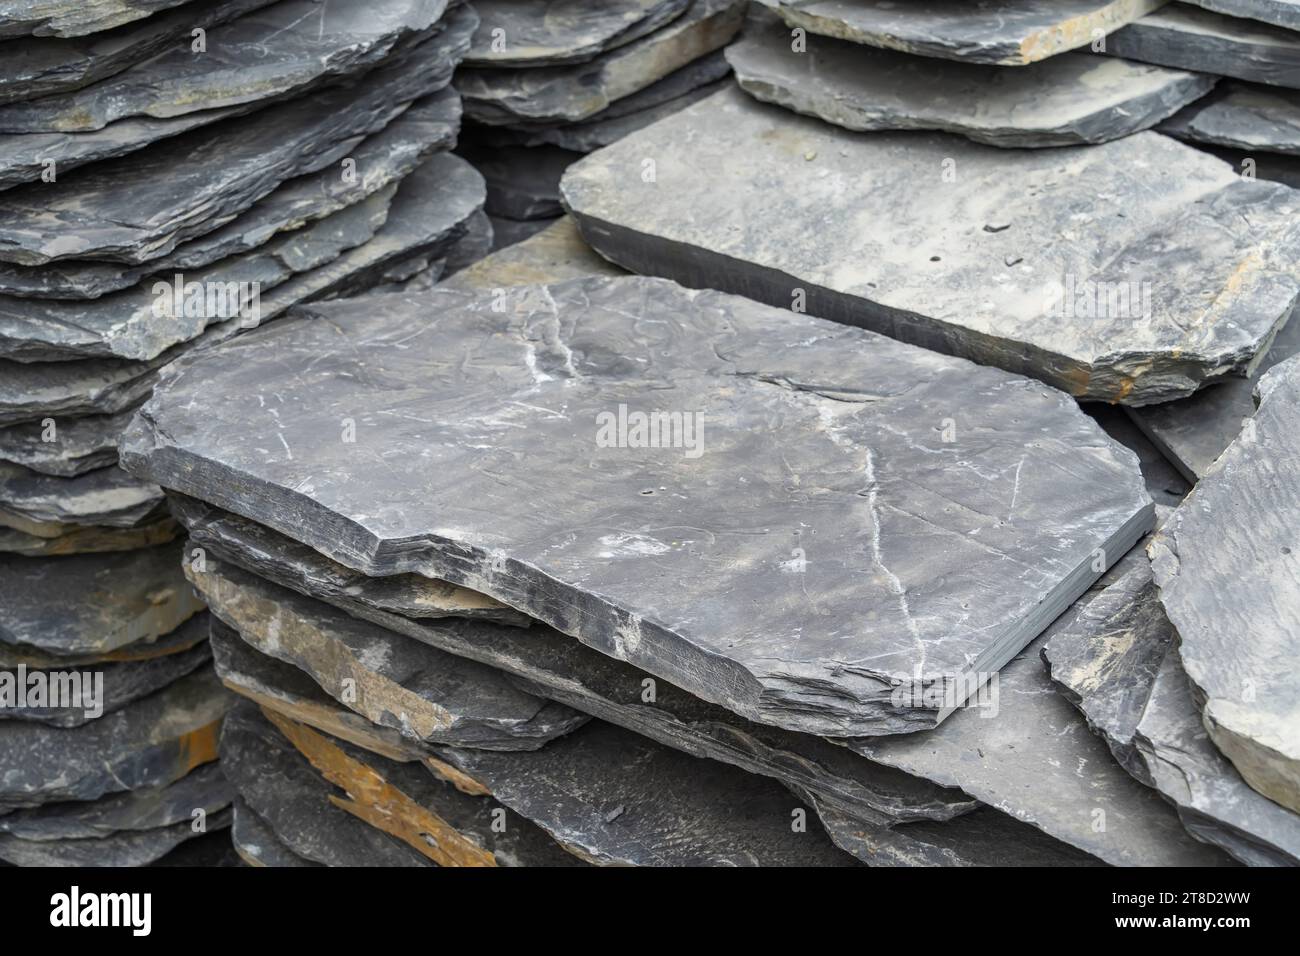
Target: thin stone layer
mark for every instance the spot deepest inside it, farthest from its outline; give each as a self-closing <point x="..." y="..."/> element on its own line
<point x="562" y="31"/>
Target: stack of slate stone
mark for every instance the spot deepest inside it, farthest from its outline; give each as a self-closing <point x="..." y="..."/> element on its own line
<point x="545" y="83"/>
<point x="172" y="174"/>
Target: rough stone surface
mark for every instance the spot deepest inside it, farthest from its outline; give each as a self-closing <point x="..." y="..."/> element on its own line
<point x="94" y="603"/>
<point x="145" y="808"/>
<point x="190" y="634"/>
<point x="429" y="125"/>
<point x="1184" y="37"/>
<point x="36" y="391"/>
<point x="150" y="743"/>
<point x="1168" y="280"/>
<point x="750" y="369"/>
<point x="1194" y="431"/>
<point x="1282" y="13"/>
<point x="1165" y="484"/>
<point x="613" y="797"/>
<point x="136" y="208"/>
<point x="41" y="504"/>
<point x="73" y="18"/>
<point x="567" y="94"/>
<point x="523" y="182"/>
<point x="554" y="254"/>
<point x="426" y="694"/>
<point x="1070" y="98"/>
<point x="1228" y="567"/>
<point x="507" y="232"/>
<point x="281" y="50"/>
<point x="75" y="445"/>
<point x="1010" y="32"/>
<point x="1242" y="116"/>
<point x="123" y="683"/>
<point x="128" y="848"/>
<point x="257" y="844"/>
<point x="82" y="539"/>
<point x="568" y="31"/>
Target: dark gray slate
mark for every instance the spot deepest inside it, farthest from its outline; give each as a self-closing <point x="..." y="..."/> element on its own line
<point x="93" y="603"/>
<point x="562" y="31"/>
<point x="146" y="808"/>
<point x="1189" y="38"/>
<point x="429" y="125"/>
<point x="507" y="232"/>
<point x="150" y="743"/>
<point x="1282" y="13"/>
<point x="566" y="94"/>
<point x="1228" y="567"/>
<point x="257" y="844"/>
<point x="190" y="634"/>
<point x="556" y="667"/>
<point x="74" y="18"/>
<point x="1214" y="802"/>
<point x="123" y="683"/>
<point x="613" y="797"/>
<point x="204" y="851"/>
<point x="554" y="254"/>
<point x="77" y="445"/>
<point x="129" y="848"/>
<point x="523" y="182"/>
<point x="31" y="392"/>
<point x="427" y="695"/>
<point x="575" y="552"/>
<point x="1168" y="280"/>
<point x="41" y="67"/>
<point x="1165" y="484"/>
<point x="1067" y="99"/>
<point x="1194" y="431"/>
<point x="59" y="540"/>
<point x="1010" y="32"/>
<point x="280" y="50"/>
<point x="1242" y="116"/>
<point x="268" y="554"/>
<point x="45" y="505"/>
<point x="135" y="208"/>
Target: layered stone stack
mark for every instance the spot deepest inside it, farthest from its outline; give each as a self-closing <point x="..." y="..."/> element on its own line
<point x="170" y="176"/>
<point x="545" y="83"/>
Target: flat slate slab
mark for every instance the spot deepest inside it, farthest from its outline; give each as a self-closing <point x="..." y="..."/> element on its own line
<point x="43" y="504"/>
<point x="146" y="808"/>
<point x="1009" y="32"/>
<point x="429" y="125"/>
<point x="128" y="848"/>
<point x="1194" y="431"/>
<point x="567" y="94"/>
<point x="1130" y="301"/>
<point x="278" y="51"/>
<point x="32" y="392"/>
<point x="122" y="683"/>
<point x="194" y="183"/>
<point x="82" y="539"/>
<point x="425" y="694"/>
<point x="150" y="743"/>
<point x="1068" y="99"/>
<point x="257" y="844"/>
<point x="1282" y="13"/>
<point x="42" y="66"/>
<point x="552" y="665"/>
<point x="72" y="18"/>
<point x="72" y="446"/>
<point x="190" y="634"/>
<point x="574" y="552"/>
<point x="1189" y="38"/>
<point x="568" y="31"/>
<point x="554" y="254"/>
<point x="93" y="603"/>
<point x="1242" y="116"/>
<point x="615" y="798"/>
<point x="1228" y="568"/>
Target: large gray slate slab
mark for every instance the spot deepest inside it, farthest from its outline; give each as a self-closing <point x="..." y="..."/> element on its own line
<point x="426" y="694"/>
<point x="74" y="446"/>
<point x="1015" y="262"/>
<point x="32" y="392"/>
<point x="150" y="743"/>
<point x="1067" y="99"/>
<point x="135" y="208"/>
<point x="429" y="125"/>
<point x="122" y="683"/>
<point x="574" y="552"/>
<point x="39" y="503"/>
<point x="128" y="848"/>
<point x="72" y="18"/>
<point x="177" y="641"/>
<point x="59" y="540"/>
<point x="146" y="808"/>
<point x="1282" y="13"/>
<point x="566" y="94"/>
<point x="32" y="67"/>
<point x="1189" y="38"/>
<point x="1010" y="32"/>
<point x="562" y="31"/>
<point x="278" y="51"/>
<point x="93" y="603"/>
<point x="1242" y="116"/>
<point x="615" y="798"/>
<point x="1228" y="568"/>
<point x="1194" y="431"/>
<point x="1216" y="805"/>
<point x="553" y="666"/>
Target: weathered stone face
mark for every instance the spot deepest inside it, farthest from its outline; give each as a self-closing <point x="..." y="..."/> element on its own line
<point x="753" y="370"/>
<point x="1282" y="13"/>
<point x="67" y="447"/>
<point x="567" y="94"/>
<point x="257" y="844"/>
<point x="1228" y="567"/>
<point x="1068" y="99"/>
<point x="570" y="31"/>
<point x="126" y="848"/>
<point x="1011" y="32"/>
<point x="1005" y="257"/>
<point x="1242" y="116"/>
<point x="281" y="50"/>
<point x="72" y="18"/>
<point x="44" y="505"/>
<point x="1183" y="37"/>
